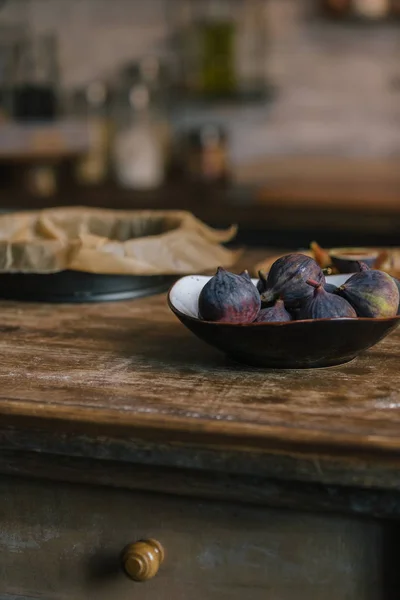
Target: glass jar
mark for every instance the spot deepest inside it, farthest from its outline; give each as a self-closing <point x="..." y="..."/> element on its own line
<point x="141" y="143"/>
<point x="35" y="79"/>
<point x="221" y="47"/>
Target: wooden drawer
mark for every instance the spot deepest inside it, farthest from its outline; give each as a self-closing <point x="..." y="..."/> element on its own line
<point x="63" y="541"/>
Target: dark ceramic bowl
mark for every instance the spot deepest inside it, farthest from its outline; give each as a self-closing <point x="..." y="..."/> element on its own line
<point x="346" y="259"/>
<point x="292" y="345"/>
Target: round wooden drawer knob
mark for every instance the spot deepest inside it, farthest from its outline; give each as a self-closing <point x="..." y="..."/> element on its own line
<point x="142" y="559"/>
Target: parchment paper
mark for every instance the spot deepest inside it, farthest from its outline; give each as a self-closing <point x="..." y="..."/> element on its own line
<point x="111" y="242"/>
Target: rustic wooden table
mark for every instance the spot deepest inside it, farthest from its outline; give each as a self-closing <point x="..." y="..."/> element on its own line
<point x="118" y="425"/>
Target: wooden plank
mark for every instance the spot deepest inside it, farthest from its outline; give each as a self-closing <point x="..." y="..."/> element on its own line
<point x="201" y="484"/>
<point x="131" y="367"/>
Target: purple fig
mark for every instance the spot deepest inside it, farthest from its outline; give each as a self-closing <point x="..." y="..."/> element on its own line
<point x="262" y="282"/>
<point x="229" y="298"/>
<point x="287" y="279"/>
<point x="246" y="275"/>
<point x="397" y="282"/>
<point x="372" y="294"/>
<point x="262" y="287"/>
<point x="329" y="287"/>
<point x="295" y="313"/>
<point x="361" y="266"/>
<point x="274" y="314"/>
<point x="323" y="305"/>
<point x="364" y="267"/>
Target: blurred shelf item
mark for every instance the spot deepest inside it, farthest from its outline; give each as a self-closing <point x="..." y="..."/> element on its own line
<point x="141" y="143"/>
<point x="93" y="105"/>
<point x="336" y="9"/>
<point x="361" y="11"/>
<point x="152" y="71"/>
<point x="35" y="79"/>
<point x="41" y="179"/>
<point x="205" y="155"/>
<point x="33" y="141"/>
<point x="37" y="157"/>
<point x="10" y="36"/>
<point x="371" y="9"/>
<point x="221" y="49"/>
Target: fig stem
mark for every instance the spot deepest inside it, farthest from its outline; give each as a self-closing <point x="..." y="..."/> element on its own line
<point x="362" y="266"/>
<point x="313" y="283"/>
<point x="262" y="275"/>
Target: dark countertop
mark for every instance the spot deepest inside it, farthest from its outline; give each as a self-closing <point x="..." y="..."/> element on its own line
<point x="127" y="383"/>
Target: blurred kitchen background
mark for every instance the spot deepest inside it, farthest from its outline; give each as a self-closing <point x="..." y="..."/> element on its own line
<point x="282" y="116"/>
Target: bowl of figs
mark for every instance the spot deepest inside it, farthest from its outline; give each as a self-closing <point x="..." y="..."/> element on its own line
<point x="294" y="317"/>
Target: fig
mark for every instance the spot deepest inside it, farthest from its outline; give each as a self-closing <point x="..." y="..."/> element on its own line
<point x="287" y="279"/>
<point x="295" y="313"/>
<point x="372" y="294"/>
<point x="229" y="298"/>
<point x="262" y="282"/>
<point x="274" y="314"/>
<point x="246" y="275"/>
<point x="397" y="282"/>
<point x="323" y="305"/>
<point x="364" y="267"/>
<point x="361" y="266"/>
<point x="329" y="287"/>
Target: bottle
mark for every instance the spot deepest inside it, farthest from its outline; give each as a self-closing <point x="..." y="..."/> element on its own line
<point x="207" y="34"/>
<point x="252" y="49"/>
<point x="205" y="154"/>
<point x="141" y="144"/>
<point x="93" y="167"/>
<point x="220" y="49"/>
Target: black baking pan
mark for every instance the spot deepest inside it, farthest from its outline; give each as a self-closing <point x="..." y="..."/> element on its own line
<point x="76" y="286"/>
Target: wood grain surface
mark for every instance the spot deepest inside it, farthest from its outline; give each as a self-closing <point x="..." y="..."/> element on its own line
<point x="132" y="368"/>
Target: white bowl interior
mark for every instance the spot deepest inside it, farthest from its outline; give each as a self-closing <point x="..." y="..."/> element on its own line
<point x="184" y="296"/>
